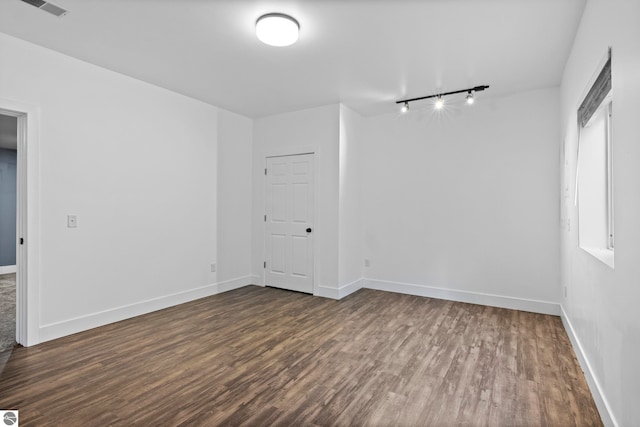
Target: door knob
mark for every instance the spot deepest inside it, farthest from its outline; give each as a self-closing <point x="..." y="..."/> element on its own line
<point x="308" y="230"/>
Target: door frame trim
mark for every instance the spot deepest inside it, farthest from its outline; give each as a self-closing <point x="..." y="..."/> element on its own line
<point x="28" y="221"/>
<point x="285" y="152"/>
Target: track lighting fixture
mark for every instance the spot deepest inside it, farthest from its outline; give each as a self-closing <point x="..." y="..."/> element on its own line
<point x="439" y="104"/>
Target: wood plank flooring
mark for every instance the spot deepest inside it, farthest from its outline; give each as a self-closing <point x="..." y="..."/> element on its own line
<point x="262" y="356"/>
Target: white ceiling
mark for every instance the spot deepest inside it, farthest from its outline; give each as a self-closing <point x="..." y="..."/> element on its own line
<point x="365" y="54"/>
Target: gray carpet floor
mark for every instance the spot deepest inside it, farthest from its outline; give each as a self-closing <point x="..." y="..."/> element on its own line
<point x="7" y="311"/>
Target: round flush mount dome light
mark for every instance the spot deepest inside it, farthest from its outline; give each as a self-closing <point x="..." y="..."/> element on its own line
<point x="277" y="29"/>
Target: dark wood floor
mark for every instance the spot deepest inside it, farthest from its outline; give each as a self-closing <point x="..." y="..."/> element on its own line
<point x="261" y="356"/>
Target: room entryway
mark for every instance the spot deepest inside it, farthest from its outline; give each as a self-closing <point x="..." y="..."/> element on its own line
<point x="289" y="222"/>
<point x="8" y="224"/>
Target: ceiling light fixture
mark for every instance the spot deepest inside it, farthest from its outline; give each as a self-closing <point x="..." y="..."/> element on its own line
<point x="277" y="29"/>
<point x="439" y="104"/>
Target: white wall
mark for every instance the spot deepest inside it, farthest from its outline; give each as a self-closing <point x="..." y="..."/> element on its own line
<point x="137" y="165"/>
<point x="234" y="197"/>
<point x="466" y="201"/>
<point x="601" y="303"/>
<point x="350" y="193"/>
<point x="316" y="130"/>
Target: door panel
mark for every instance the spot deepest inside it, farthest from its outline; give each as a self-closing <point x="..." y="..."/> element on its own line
<point x="299" y="256"/>
<point x="278" y="244"/>
<point x="289" y="204"/>
<point x="300" y="203"/>
<point x="279" y="194"/>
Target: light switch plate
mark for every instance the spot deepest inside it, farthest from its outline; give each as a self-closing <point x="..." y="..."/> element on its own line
<point x="72" y="221"/>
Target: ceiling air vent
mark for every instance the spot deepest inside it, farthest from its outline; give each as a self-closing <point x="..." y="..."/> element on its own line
<point x="47" y="7"/>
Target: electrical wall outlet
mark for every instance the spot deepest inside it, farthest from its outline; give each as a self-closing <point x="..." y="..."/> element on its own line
<point x="367" y="263"/>
<point x="72" y="221"/>
<point x="213" y="268"/>
<point x="565" y="291"/>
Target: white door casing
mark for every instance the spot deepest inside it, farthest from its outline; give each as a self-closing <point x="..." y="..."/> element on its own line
<point x="289" y="222"/>
<point x="28" y="221"/>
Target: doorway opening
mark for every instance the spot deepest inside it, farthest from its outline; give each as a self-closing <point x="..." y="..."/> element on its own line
<point x="25" y="238"/>
<point x="8" y="229"/>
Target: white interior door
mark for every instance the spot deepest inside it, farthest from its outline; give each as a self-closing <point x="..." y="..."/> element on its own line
<point x="289" y="219"/>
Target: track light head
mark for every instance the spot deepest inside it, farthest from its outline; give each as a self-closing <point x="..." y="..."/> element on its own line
<point x="404" y="108"/>
<point x="439" y="103"/>
<point x="469" y="98"/>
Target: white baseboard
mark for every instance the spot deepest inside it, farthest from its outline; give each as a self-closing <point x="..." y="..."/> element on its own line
<point x="326" y="292"/>
<point x="350" y="288"/>
<point x="90" y="321"/>
<point x="594" y="386"/>
<point x="231" y="284"/>
<point x="534" y="306"/>
<point x="341" y="292"/>
<point x="8" y="269"/>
